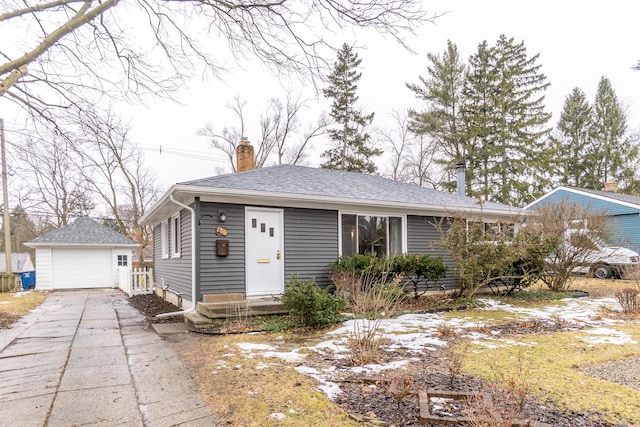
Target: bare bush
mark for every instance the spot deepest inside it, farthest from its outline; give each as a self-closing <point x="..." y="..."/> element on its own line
<point x="399" y="385"/>
<point x="516" y="381"/>
<point x="446" y="331"/>
<point x="377" y="300"/>
<point x="554" y="223"/>
<point x="628" y="299"/>
<point x="454" y="357"/>
<point x="366" y="343"/>
<point x="492" y="408"/>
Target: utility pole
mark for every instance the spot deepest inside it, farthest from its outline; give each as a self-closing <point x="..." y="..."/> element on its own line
<point x="5" y="201"/>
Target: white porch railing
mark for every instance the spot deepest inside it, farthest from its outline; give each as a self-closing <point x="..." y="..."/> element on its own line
<point x="136" y="282"/>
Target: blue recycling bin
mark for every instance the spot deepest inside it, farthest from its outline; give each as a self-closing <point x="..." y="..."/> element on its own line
<point x="28" y="279"/>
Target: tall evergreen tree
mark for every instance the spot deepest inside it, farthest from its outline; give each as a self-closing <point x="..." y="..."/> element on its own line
<point x="352" y="147"/>
<point x="505" y="110"/>
<point x="573" y="164"/>
<point x="442" y="120"/>
<point x="614" y="151"/>
<point x="479" y="113"/>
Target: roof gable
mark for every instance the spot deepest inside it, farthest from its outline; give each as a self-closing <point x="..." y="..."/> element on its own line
<point x="612" y="203"/>
<point x="83" y="231"/>
<point x="20" y="261"/>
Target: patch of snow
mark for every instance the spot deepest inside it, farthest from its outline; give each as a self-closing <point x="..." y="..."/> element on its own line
<point x="414" y="342"/>
<point x="4" y="302"/>
<point x="329" y="388"/>
<point x="291" y="356"/>
<point x="249" y="346"/>
<point x="376" y="367"/>
<point x="608" y="336"/>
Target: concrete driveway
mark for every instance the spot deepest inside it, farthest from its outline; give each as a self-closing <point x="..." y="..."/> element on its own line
<point x="87" y="357"/>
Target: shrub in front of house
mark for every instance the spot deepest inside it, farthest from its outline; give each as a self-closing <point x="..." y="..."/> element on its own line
<point x="416" y="272"/>
<point x="311" y="305"/>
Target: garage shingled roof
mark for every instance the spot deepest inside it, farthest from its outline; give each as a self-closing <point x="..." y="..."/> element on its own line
<point x="83" y="231"/>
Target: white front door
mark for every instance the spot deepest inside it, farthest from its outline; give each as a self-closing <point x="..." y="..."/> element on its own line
<point x="264" y="242"/>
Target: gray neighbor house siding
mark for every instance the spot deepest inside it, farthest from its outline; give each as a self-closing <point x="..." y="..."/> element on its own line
<point x="311" y="201"/>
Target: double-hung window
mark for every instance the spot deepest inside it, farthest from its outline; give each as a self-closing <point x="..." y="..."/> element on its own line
<point x="176" y="236"/>
<point x="371" y="234"/>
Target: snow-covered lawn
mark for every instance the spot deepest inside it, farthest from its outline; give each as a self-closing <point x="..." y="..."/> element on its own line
<point x="412" y="334"/>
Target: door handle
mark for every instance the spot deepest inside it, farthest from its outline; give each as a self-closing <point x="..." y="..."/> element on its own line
<point x="278" y="254"/>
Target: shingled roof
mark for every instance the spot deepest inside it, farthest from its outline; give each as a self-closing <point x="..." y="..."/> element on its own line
<point x="335" y="184"/>
<point x="83" y="231"/>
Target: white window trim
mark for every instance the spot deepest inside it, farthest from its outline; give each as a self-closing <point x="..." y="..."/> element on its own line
<point x="373" y="213"/>
<point x="122" y="258"/>
<point x="176" y="236"/>
<point x="164" y="239"/>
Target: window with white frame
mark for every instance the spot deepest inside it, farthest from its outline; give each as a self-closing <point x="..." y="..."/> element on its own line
<point x="164" y="239"/>
<point x="371" y="234"/>
<point x="176" y="236"/>
<point x="123" y="261"/>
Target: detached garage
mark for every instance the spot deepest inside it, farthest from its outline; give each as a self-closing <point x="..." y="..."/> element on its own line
<point x="83" y="254"/>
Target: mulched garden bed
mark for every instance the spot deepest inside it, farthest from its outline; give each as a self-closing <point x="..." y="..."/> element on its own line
<point x="151" y="305"/>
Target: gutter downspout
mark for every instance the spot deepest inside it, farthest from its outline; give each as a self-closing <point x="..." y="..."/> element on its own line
<point x="193" y="263"/>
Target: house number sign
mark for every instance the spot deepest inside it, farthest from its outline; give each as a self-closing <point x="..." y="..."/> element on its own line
<point x="221" y="231"/>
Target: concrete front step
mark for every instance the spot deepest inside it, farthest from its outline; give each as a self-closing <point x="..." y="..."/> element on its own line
<point x="195" y="321"/>
<point x="252" y="307"/>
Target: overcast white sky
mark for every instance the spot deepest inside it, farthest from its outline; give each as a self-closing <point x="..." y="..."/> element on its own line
<point x="578" y="42"/>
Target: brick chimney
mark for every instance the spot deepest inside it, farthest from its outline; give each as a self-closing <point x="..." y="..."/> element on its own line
<point x="244" y="156"/>
<point x="611" y="186"/>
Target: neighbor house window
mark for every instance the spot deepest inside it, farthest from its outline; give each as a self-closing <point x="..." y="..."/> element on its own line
<point x="491" y="230"/>
<point x="175" y="236"/>
<point x="371" y="234"/>
<point x="164" y="239"/>
<point x="123" y="261"/>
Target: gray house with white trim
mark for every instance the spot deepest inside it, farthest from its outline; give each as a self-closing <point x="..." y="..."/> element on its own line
<point x="247" y="232"/>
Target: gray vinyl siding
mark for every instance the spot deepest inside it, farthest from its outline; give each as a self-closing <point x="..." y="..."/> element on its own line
<point x="310" y="243"/>
<point x="219" y="275"/>
<point x="176" y="272"/>
<point x="423" y="237"/>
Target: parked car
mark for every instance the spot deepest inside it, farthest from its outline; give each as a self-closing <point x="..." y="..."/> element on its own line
<point x="598" y="257"/>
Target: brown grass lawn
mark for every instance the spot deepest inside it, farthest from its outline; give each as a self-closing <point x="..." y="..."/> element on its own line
<point x="248" y="389"/>
<point x="14" y="305"/>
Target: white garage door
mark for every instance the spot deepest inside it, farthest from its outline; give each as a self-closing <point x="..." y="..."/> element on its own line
<point x="81" y="268"/>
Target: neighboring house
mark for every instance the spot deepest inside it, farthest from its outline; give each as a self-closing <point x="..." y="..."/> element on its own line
<point x="20" y="262"/>
<point x="622" y="209"/>
<point x="246" y="233"/>
<point x="83" y="254"/>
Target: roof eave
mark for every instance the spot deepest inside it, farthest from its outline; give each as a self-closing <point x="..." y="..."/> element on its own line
<point x="227" y="195"/>
<point x="93" y="245"/>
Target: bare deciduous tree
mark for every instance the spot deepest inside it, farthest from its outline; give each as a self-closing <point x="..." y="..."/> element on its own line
<point x="56" y="53"/>
<point x="280" y="135"/>
<point x="413" y="156"/>
<point x="114" y="171"/>
<point x="56" y="187"/>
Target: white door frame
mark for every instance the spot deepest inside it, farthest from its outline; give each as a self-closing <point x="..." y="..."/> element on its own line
<point x="277" y="287"/>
